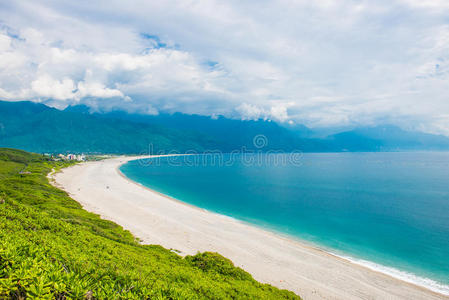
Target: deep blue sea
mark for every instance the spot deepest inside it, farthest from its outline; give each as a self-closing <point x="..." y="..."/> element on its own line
<point x="388" y="211"/>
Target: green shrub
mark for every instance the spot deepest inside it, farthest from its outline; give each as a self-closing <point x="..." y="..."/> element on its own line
<point x="215" y="263"/>
<point x="50" y="248"/>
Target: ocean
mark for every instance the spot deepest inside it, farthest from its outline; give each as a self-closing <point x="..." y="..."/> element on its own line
<point x="387" y="211"/>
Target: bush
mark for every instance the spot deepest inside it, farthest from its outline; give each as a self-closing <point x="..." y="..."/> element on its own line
<point x="50" y="248"/>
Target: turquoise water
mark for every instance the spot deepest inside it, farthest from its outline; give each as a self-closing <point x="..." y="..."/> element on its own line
<point x="388" y="208"/>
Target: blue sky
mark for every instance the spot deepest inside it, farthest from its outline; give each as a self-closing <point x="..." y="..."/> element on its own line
<point x="320" y="63"/>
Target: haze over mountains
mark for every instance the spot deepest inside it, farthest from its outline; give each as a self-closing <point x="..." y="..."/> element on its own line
<point x="36" y="127"/>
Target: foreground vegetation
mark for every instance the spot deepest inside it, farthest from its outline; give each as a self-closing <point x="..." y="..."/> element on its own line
<point x="50" y="248"/>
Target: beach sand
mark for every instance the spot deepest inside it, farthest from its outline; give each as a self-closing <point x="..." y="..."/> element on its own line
<point x="270" y="258"/>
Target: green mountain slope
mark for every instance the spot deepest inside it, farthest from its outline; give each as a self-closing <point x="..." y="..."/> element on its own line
<point x="39" y="128"/>
<point x="230" y="134"/>
<point x="50" y="248"/>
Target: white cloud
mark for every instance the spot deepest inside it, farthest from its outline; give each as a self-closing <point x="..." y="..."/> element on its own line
<point x="250" y="112"/>
<point x="441" y="5"/>
<point x="5" y="42"/>
<point x="5" y="94"/>
<point x="96" y="89"/>
<point x="92" y="87"/>
<point x="321" y="63"/>
<point x="277" y="112"/>
<point x="32" y="36"/>
<point x="46" y="86"/>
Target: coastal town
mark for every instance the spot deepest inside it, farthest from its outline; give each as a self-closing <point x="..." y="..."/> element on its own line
<point x="77" y="157"/>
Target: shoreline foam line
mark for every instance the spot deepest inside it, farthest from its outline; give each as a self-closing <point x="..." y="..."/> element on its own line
<point x="411" y="278"/>
<point x="270" y="257"/>
<point x="424" y="282"/>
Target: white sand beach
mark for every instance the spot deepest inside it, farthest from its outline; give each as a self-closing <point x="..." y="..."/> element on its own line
<point x="270" y="258"/>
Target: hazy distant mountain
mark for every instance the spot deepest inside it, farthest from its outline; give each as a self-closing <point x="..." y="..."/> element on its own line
<point x="39" y="128"/>
<point x="387" y="138"/>
<point x="232" y="134"/>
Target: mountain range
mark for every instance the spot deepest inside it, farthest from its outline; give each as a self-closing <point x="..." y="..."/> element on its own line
<point x="38" y="128"/>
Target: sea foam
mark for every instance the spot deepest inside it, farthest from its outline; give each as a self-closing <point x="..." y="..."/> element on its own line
<point x="395" y="273"/>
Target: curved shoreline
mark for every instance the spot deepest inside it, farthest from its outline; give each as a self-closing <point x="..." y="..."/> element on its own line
<point x="421" y="282"/>
<point x="271" y="257"/>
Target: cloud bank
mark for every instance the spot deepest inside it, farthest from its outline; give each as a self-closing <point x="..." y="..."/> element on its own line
<point x="321" y="63"/>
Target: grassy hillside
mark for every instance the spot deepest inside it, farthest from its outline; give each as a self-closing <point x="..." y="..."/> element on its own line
<point x="50" y="248"/>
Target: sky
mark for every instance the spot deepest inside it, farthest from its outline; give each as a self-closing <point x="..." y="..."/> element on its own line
<point x="320" y="63"/>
